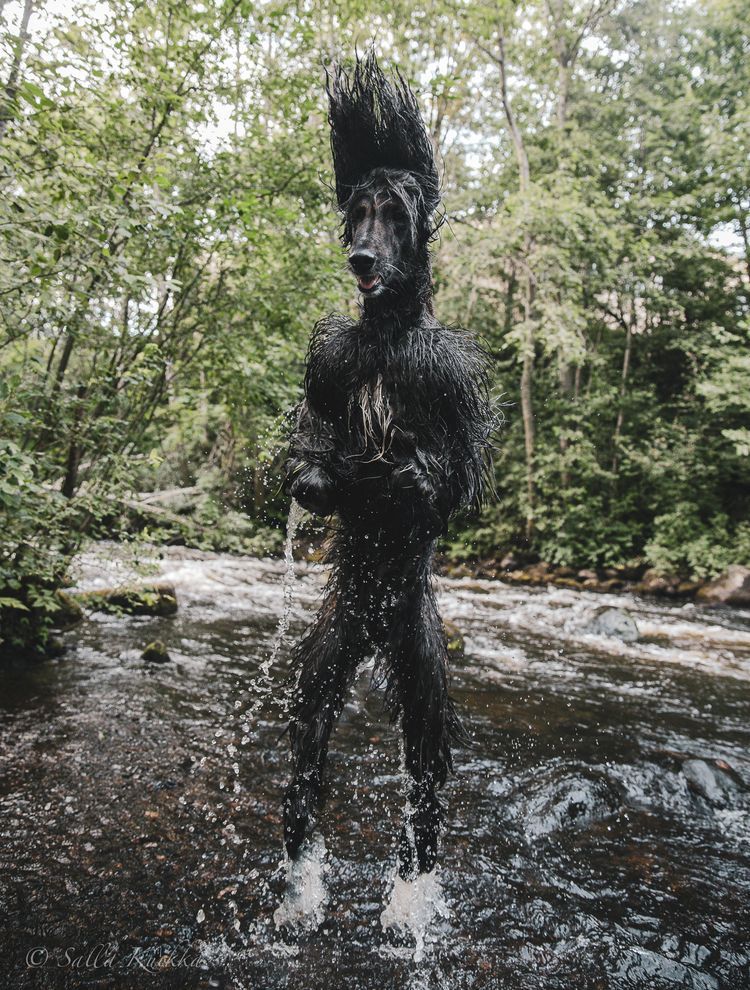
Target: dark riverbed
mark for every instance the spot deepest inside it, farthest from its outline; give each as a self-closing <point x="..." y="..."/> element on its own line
<point x="598" y="830"/>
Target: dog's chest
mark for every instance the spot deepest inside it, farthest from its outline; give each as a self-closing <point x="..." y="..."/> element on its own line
<point x="374" y="413"/>
<point x="383" y="396"/>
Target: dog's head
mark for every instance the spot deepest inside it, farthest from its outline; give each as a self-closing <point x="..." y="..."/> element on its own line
<point x="387" y="183"/>
<point x="385" y="227"/>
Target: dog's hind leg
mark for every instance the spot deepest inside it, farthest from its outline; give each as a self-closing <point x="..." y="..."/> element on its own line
<point x="323" y="667"/>
<point x="418" y="667"/>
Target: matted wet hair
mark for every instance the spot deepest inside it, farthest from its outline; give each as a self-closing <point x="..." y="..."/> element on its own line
<point x="376" y="124"/>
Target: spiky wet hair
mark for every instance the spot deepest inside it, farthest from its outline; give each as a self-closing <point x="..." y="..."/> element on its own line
<point x="376" y="124"/>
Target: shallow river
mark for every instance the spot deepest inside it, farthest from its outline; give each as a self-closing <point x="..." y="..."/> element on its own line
<point x="598" y="829"/>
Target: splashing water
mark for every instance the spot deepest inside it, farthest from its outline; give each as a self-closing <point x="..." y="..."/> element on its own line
<point x="293" y="521"/>
<point x="414" y="904"/>
<point x="263" y="685"/>
<point x="306" y="894"/>
<point x="413" y="908"/>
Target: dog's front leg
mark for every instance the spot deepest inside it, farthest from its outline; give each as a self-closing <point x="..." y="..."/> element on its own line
<point x="309" y="476"/>
<point x="411" y="482"/>
<point x="313" y="488"/>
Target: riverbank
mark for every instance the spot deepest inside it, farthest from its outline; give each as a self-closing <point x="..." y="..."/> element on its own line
<point x="730" y="588"/>
<point x="182" y="517"/>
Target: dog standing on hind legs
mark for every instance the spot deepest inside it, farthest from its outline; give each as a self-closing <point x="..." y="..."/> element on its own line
<point x="391" y="438"/>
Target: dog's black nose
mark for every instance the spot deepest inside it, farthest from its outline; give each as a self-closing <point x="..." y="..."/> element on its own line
<point x="362" y="261"/>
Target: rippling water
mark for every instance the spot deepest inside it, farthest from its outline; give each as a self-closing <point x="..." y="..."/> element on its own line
<point x="597" y="832"/>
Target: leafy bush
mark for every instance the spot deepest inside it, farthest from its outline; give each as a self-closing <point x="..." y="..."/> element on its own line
<point x="684" y="543"/>
<point x="36" y="545"/>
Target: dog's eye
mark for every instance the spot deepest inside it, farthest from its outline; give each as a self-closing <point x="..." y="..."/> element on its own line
<point x="394" y="211"/>
<point x="358" y="213"/>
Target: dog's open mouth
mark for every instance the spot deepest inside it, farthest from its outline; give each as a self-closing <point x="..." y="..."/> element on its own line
<point x="367" y="283"/>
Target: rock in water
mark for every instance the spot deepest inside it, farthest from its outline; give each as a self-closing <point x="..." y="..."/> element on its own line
<point x="151" y="599"/>
<point x="454" y="637"/>
<point x="156" y="652"/>
<point x="730" y="588"/>
<point x="560" y="800"/>
<point x="615" y="623"/>
<point x="714" y="780"/>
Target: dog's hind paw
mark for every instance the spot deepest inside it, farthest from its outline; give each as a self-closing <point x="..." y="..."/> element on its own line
<point x="302" y="908"/>
<point x="413" y="910"/>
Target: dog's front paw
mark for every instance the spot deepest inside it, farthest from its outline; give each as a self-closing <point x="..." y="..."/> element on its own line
<point x="411" y="480"/>
<point x="410" y="477"/>
<point x="313" y="489"/>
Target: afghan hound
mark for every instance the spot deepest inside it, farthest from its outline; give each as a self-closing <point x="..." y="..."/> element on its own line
<point x="390" y="440"/>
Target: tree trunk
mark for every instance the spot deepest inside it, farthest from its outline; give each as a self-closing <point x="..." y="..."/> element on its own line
<point x="527" y="372"/>
<point x="527" y="411"/>
<point x="73" y="460"/>
<point x="742" y="221"/>
<point x="11" y="86"/>
<point x="623" y="387"/>
<point x="515" y="133"/>
<point x="566" y="380"/>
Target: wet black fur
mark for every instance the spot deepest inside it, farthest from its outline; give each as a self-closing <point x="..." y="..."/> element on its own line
<point x="392" y="439"/>
<point x="375" y="123"/>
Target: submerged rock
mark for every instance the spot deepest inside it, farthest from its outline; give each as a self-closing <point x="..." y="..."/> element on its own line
<point x="455" y="638"/>
<point x="572" y="801"/>
<point x="615" y="623"/>
<point x="730" y="588"/>
<point x="713" y="780"/>
<point x="153" y="599"/>
<point x="156" y="652"/>
<point x="68" y="612"/>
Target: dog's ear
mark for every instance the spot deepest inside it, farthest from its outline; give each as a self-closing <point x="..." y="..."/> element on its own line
<point x="376" y="123"/>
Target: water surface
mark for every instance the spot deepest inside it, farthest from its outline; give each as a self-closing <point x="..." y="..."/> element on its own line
<point x="597" y="827"/>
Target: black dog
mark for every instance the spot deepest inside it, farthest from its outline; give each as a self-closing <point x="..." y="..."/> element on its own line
<point x="393" y="437"/>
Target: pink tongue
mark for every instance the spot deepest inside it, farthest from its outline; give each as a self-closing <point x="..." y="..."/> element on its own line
<point x="367" y="283"/>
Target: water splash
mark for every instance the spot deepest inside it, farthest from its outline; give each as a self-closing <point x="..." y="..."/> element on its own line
<point x="262" y="686"/>
<point x="295" y="515"/>
<point x="415" y="904"/>
<point x="306" y="895"/>
<point x="414" y="907"/>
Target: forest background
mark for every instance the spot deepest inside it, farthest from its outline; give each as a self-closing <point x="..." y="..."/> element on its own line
<point x="168" y="240"/>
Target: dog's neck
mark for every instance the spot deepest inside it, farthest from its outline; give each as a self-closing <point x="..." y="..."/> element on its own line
<point x="402" y="309"/>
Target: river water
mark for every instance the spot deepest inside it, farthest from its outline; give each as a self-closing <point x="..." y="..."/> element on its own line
<point x="598" y="825"/>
